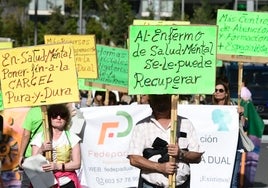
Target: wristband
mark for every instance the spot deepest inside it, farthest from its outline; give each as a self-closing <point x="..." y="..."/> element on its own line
<point x="62" y="167"/>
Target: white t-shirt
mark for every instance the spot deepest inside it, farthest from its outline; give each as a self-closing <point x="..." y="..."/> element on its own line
<point x="144" y="135"/>
<point x="61" y="148"/>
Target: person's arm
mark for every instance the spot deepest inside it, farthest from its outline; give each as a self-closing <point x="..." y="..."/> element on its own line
<point x="75" y="163"/>
<point x="24" y="143"/>
<point x="147" y="165"/>
<point x="193" y="151"/>
<point x="183" y="155"/>
<point x="190" y="156"/>
<point x="46" y="146"/>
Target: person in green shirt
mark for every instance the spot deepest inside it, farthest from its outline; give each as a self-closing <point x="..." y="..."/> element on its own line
<point x="32" y="124"/>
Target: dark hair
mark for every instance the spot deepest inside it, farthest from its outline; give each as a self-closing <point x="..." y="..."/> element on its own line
<point x="62" y="110"/>
<point x="245" y="80"/>
<point x="227" y="100"/>
<point x="101" y="93"/>
<point x="112" y="98"/>
<point x="161" y="105"/>
<point x="83" y="93"/>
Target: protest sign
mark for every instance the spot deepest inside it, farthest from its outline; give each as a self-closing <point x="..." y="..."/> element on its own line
<point x="84" y="51"/>
<point x="159" y="22"/>
<point x="1" y="101"/>
<point x="217" y="129"/>
<point x="172" y="59"/>
<point x="242" y="36"/>
<point x="38" y="75"/>
<point x="112" y="67"/>
<point x="4" y="45"/>
<point x="83" y="85"/>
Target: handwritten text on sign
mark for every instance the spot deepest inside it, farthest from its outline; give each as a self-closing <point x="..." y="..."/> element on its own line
<point x="84" y="50"/>
<point x="172" y="59"/>
<point x="113" y="66"/>
<point x="242" y="33"/>
<point x="38" y="75"/>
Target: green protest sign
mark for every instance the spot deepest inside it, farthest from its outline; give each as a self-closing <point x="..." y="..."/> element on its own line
<point x="112" y="66"/>
<point x="83" y="86"/>
<point x="172" y="59"/>
<point x="219" y="63"/>
<point x="242" y="33"/>
<point x="1" y="101"/>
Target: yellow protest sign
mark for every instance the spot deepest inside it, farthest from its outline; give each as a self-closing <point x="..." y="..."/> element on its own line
<point x="4" y="45"/>
<point x="84" y="50"/>
<point x="38" y="75"/>
<point x="159" y="22"/>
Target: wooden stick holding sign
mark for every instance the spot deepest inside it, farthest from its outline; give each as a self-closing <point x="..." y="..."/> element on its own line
<point x="173" y="135"/>
<point x="106" y="101"/>
<point x="240" y="76"/>
<point x="243" y="157"/>
<point x="46" y="130"/>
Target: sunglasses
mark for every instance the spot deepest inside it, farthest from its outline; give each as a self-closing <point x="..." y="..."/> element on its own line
<point x="62" y="115"/>
<point x="219" y="90"/>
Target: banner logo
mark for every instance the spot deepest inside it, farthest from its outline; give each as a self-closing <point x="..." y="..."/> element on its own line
<point x="107" y="126"/>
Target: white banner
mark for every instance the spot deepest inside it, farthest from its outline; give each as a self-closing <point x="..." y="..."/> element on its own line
<point x="217" y="129"/>
<point x="107" y="134"/>
<point x="105" y="145"/>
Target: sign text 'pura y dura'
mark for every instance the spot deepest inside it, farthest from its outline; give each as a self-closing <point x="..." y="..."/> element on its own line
<point x="172" y="59"/>
<point x="38" y="75"/>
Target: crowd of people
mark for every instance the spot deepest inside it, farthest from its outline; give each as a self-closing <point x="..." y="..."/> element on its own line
<point x="98" y="98"/>
<point x="150" y="137"/>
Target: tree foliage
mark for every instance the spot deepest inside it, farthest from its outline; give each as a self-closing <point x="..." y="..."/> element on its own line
<point x="176" y="10"/>
<point x="113" y="24"/>
<point x="95" y="27"/>
<point x="15" y="3"/>
<point x="108" y="20"/>
<point x="28" y="33"/>
<point x="118" y="22"/>
<point x="57" y="24"/>
<point x="203" y="14"/>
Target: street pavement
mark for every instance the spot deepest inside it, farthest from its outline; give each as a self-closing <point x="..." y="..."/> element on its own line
<point x="261" y="179"/>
